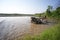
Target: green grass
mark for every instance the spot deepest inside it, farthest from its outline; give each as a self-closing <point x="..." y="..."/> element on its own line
<point x="52" y="33"/>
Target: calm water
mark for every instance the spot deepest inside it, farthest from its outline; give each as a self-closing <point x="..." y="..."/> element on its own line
<point x="13" y="27"/>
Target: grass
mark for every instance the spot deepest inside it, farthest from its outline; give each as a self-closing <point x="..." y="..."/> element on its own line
<point x="52" y="33"/>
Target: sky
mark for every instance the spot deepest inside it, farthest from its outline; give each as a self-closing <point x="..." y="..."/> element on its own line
<point x="26" y="6"/>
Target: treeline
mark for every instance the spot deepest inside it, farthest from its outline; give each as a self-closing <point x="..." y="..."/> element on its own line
<point x="50" y="13"/>
<point x="53" y="13"/>
<point x="3" y="15"/>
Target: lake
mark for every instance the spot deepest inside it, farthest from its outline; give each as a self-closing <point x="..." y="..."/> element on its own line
<point x="14" y="27"/>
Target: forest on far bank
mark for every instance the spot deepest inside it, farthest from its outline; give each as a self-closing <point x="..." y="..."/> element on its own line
<point x="14" y="14"/>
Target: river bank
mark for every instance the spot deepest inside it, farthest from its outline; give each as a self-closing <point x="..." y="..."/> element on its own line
<point x="12" y="28"/>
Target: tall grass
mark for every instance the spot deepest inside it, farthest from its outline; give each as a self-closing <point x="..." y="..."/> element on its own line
<point x="51" y="34"/>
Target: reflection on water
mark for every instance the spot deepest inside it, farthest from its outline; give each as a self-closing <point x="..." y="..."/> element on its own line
<point x="12" y="27"/>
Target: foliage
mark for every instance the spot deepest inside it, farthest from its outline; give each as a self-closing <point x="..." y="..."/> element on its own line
<point x="48" y="11"/>
<point x="53" y="14"/>
<point x="39" y="14"/>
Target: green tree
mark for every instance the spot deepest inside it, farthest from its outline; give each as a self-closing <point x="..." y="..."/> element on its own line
<point x="58" y="10"/>
<point x="48" y="11"/>
<point x="56" y="13"/>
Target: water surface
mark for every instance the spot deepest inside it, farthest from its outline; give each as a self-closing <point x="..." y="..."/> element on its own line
<point x="14" y="27"/>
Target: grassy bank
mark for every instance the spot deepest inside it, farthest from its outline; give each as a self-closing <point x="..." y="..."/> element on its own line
<point x="52" y="33"/>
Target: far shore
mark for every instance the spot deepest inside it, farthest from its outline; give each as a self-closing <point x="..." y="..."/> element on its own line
<point x="13" y="15"/>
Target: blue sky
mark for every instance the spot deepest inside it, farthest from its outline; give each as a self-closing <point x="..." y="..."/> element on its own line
<point x="26" y="6"/>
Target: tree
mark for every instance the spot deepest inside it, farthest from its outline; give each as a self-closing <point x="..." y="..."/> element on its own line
<point x="48" y="11"/>
<point x="56" y="13"/>
<point x="58" y="10"/>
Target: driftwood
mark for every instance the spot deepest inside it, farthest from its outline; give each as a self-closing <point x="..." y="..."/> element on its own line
<point x="38" y="20"/>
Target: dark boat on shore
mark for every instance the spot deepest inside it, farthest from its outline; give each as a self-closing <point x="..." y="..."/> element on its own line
<point x="38" y="20"/>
